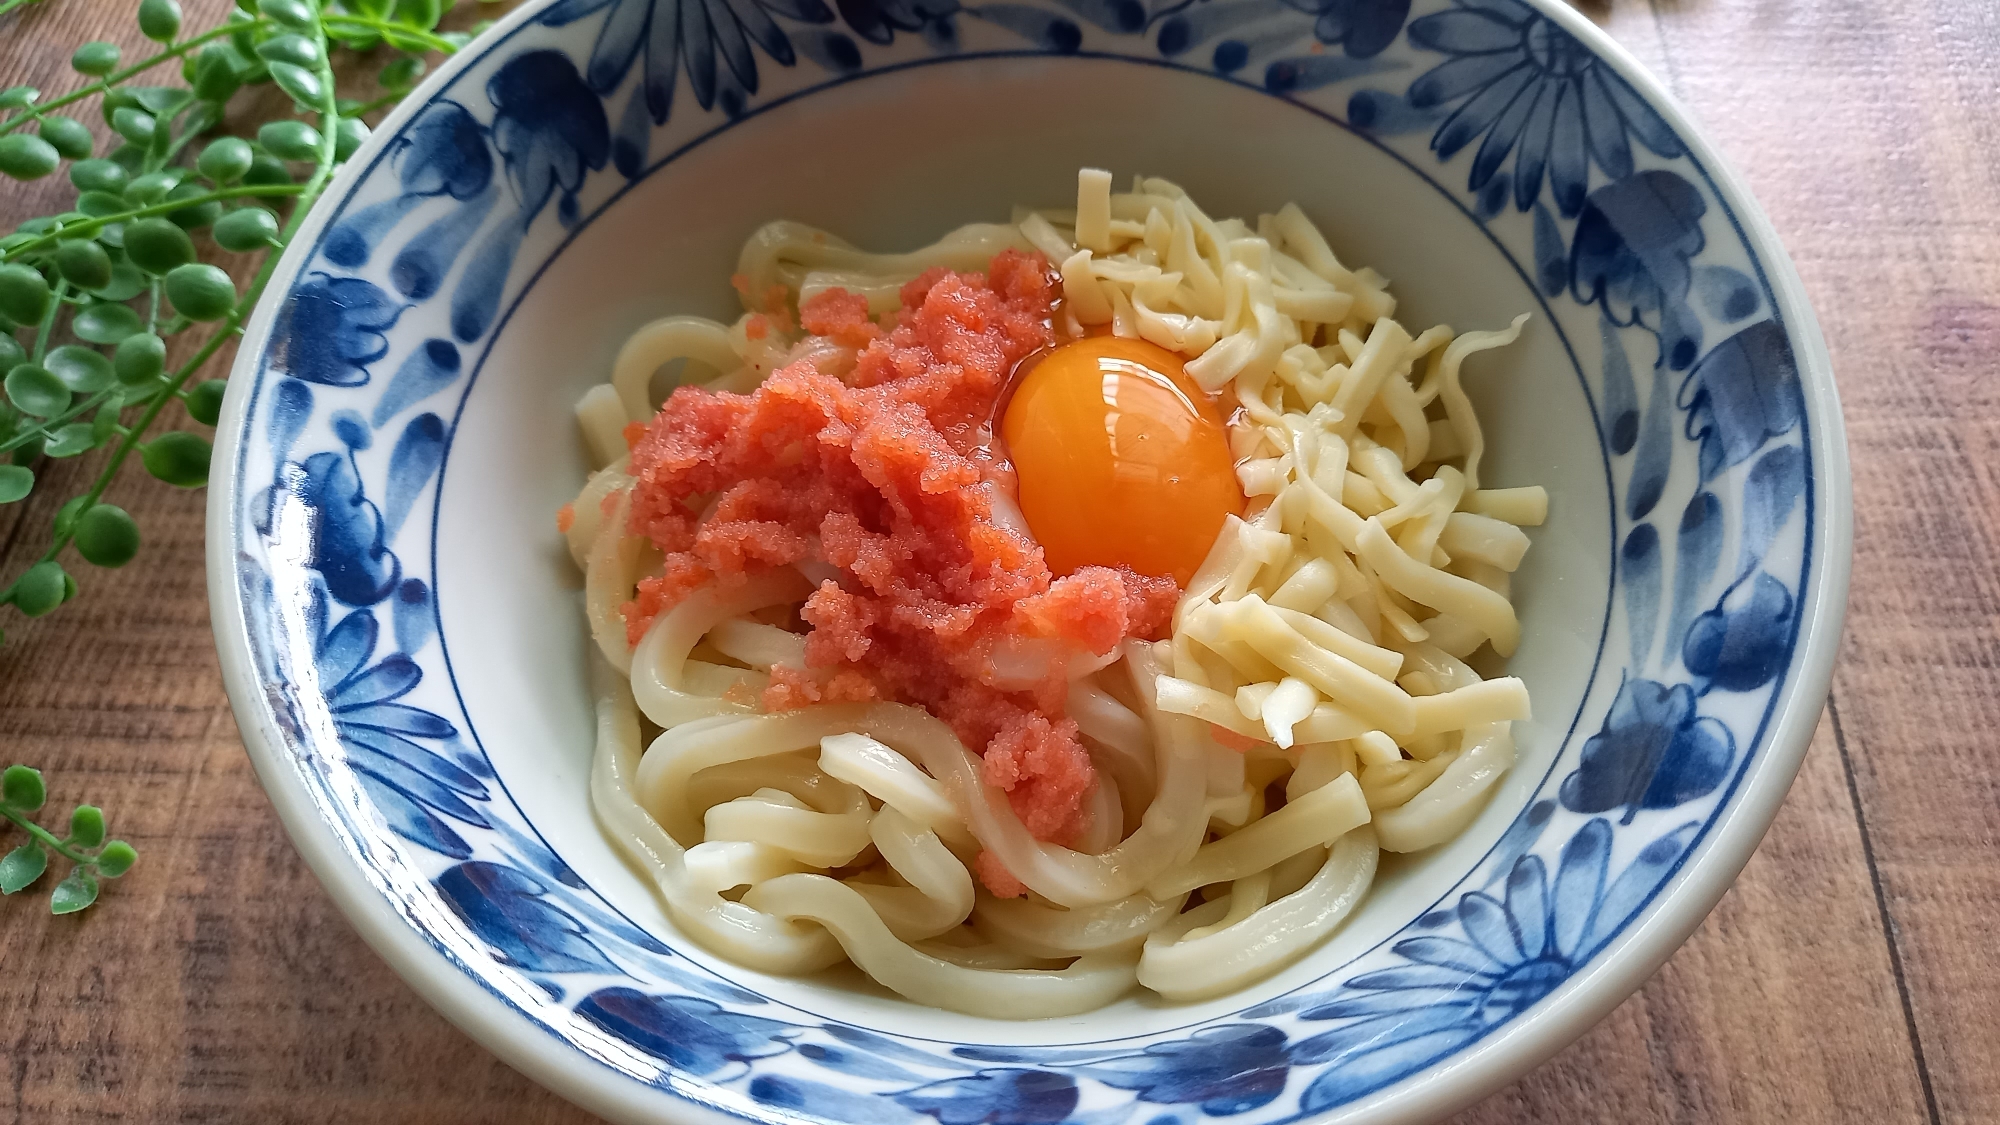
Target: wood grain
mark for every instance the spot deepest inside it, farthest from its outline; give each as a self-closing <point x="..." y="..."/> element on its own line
<point x="1847" y="976"/>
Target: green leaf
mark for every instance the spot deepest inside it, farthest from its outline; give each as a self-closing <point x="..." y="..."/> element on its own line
<point x="21" y="787"/>
<point x="84" y="264"/>
<point x="289" y="140"/>
<point x="242" y="30"/>
<point x="246" y="229"/>
<point x="22" y="866"/>
<point x="200" y="291"/>
<point x="303" y="85"/>
<point x="295" y="50"/>
<point x="27" y="158"/>
<point x="403" y="40"/>
<point x="41" y="589"/>
<point x="98" y="175"/>
<point x="26" y="452"/>
<point x="160" y="21"/>
<point x="106" y="324"/>
<point x="139" y="358"/>
<point x="161" y="101"/>
<point x="127" y="281"/>
<point x="65" y="521"/>
<point x="135" y="125"/>
<point x="401" y="74"/>
<point x="131" y="158"/>
<point x="267" y="171"/>
<point x="163" y="139"/>
<point x="225" y="160"/>
<point x="24" y="294"/>
<point x="95" y="59"/>
<point x="295" y="14"/>
<point x="203" y="117"/>
<point x="105" y="422"/>
<point x="218" y="73"/>
<point x="204" y="402"/>
<point x="117" y="98"/>
<point x="16" y="482"/>
<point x="11" y="352"/>
<point x="177" y="458"/>
<point x="151" y="188"/>
<point x="18" y="97"/>
<point x="116" y="859"/>
<point x="68" y="135"/>
<point x="81" y="369"/>
<point x="198" y="216"/>
<point x="419" y="13"/>
<point x="108" y="536"/>
<point x="70" y="440"/>
<point x="348" y="137"/>
<point x="35" y="390"/>
<point x="144" y="391"/>
<point x="98" y="204"/>
<point x="86" y="826"/>
<point x="158" y="245"/>
<point x="74" y="893"/>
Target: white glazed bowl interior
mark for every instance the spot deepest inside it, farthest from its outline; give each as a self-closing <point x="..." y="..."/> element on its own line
<point x="669" y="245"/>
<point x="488" y="607"/>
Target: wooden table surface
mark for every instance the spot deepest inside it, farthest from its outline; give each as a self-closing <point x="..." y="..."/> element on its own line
<point x="1848" y="976"/>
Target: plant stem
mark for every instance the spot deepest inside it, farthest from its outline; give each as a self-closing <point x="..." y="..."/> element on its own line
<point x="44" y="430"/>
<point x="104" y="84"/>
<point x="91" y="226"/>
<point x="329" y="117"/>
<point x="386" y="29"/>
<point x="48" y="322"/>
<point x="385" y="100"/>
<point x="49" y="839"/>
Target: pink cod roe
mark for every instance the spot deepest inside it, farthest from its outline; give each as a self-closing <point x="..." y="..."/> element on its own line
<point x="883" y="471"/>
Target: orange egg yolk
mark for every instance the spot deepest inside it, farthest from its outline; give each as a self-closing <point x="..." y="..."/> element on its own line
<point x="1122" y="459"/>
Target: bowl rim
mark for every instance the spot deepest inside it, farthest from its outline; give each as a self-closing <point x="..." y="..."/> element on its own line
<point x="1617" y="970"/>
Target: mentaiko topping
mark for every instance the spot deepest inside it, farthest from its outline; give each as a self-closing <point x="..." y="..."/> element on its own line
<point x="867" y="463"/>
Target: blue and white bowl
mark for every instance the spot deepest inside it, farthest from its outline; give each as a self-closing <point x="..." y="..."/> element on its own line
<point x="401" y="635"/>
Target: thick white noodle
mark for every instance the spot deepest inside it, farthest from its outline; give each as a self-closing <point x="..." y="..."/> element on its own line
<point x="1093" y="981"/>
<point x="745" y="935"/>
<point x="659" y="661"/>
<point x="693" y="338"/>
<point x="782" y="254"/>
<point x="607" y="584"/>
<point x="1049" y="931"/>
<point x="1315" y="819"/>
<point x="1272" y="936"/>
<point x="1318" y="653"/>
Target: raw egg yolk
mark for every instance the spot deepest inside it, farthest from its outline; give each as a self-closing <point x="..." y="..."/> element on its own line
<point x="1122" y="460"/>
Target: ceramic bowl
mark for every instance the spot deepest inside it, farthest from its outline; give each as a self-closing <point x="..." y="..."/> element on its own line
<point x="401" y="632"/>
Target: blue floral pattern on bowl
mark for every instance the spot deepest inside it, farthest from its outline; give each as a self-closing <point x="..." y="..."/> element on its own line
<point x="341" y="444"/>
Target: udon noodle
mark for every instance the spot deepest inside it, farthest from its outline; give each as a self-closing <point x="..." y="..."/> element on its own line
<point x="1311" y="707"/>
